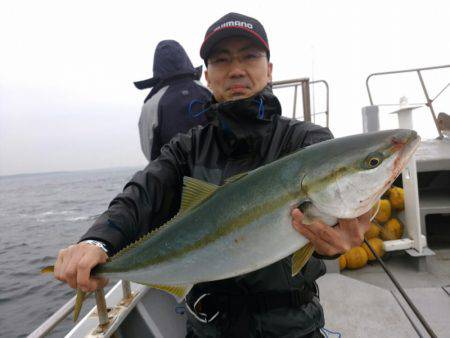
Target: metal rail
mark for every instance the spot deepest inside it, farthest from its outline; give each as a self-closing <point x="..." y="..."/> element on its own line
<point x="429" y="101"/>
<point x="102" y="311"/>
<point x="46" y="327"/>
<point x="305" y="85"/>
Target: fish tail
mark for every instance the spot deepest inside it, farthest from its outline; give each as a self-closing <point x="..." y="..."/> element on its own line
<point x="81" y="295"/>
<point x="48" y="269"/>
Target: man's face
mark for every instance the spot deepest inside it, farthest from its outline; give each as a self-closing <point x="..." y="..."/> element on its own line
<point x="237" y="69"/>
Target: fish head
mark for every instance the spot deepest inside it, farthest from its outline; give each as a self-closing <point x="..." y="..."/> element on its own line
<point x="347" y="176"/>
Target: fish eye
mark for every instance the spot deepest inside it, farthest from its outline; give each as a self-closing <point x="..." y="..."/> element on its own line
<point x="373" y="161"/>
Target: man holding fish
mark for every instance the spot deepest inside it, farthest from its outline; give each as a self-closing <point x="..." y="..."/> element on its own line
<point x="246" y="131"/>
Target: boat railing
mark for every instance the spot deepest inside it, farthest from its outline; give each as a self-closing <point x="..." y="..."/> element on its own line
<point x="305" y="86"/>
<point x="108" y="318"/>
<point x="56" y="318"/>
<point x="415" y="242"/>
<point x="429" y="101"/>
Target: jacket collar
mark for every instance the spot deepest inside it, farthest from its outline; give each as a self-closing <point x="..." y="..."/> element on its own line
<point x="243" y="124"/>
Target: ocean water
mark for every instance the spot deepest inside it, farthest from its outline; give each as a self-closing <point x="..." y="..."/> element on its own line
<point x="39" y="215"/>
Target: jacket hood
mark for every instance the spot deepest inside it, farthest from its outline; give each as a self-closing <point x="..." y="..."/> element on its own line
<point x="170" y="61"/>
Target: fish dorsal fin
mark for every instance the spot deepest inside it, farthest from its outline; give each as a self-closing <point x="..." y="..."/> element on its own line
<point x="142" y="239"/>
<point x="194" y="192"/>
<point x="234" y="178"/>
<point x="300" y="257"/>
<point x="179" y="291"/>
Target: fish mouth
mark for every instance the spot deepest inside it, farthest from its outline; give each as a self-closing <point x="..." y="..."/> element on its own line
<point x="405" y="152"/>
<point x="405" y="149"/>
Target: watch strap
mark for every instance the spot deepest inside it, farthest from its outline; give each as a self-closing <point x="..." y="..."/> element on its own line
<point x="101" y="245"/>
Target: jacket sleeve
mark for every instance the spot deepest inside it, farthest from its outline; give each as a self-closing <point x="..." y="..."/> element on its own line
<point x="148" y="200"/>
<point x="149" y="121"/>
<point x="303" y="134"/>
<point x="315" y="134"/>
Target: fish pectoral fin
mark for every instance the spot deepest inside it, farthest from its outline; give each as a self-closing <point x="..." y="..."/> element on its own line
<point x="179" y="291"/>
<point x="312" y="214"/>
<point x="235" y="178"/>
<point x="308" y="220"/>
<point x="300" y="257"/>
<point x="81" y="296"/>
<point x="48" y="269"/>
<point x="309" y="212"/>
<point x="194" y="192"/>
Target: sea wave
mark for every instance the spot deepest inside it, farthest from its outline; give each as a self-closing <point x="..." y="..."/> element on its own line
<point x="33" y="230"/>
<point x="55" y="212"/>
<point x="79" y="218"/>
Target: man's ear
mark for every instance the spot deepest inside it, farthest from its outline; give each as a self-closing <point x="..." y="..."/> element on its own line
<point x="269" y="71"/>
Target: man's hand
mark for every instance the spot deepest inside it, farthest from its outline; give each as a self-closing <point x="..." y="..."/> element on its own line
<point x="329" y="241"/>
<point x="73" y="266"/>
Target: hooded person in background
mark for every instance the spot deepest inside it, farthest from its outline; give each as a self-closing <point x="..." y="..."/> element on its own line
<point x="245" y="131"/>
<point x="172" y="106"/>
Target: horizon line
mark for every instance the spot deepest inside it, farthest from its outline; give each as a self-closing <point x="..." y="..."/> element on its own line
<point x="68" y="171"/>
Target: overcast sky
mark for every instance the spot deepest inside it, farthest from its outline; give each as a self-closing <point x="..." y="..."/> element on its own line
<point x="67" y="100"/>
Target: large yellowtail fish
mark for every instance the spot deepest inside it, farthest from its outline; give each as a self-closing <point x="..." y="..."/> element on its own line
<point x="245" y="224"/>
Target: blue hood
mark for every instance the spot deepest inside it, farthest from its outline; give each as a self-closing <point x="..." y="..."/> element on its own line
<point x="170" y="61"/>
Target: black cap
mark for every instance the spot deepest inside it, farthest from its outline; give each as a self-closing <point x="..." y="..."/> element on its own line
<point x="234" y="24"/>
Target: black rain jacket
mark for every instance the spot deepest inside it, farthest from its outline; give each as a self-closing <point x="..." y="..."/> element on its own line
<point x="241" y="135"/>
<point x="176" y="92"/>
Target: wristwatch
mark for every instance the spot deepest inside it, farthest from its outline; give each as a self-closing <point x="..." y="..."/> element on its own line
<point x="101" y="245"/>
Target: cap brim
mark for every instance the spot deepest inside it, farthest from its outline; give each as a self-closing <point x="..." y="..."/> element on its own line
<point x="228" y="32"/>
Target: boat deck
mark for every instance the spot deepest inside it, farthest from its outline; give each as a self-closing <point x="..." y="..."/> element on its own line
<point x="365" y="303"/>
<point x="433" y="155"/>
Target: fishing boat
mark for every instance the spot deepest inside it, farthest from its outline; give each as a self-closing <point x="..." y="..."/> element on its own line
<point x="368" y="304"/>
<point x="357" y="303"/>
